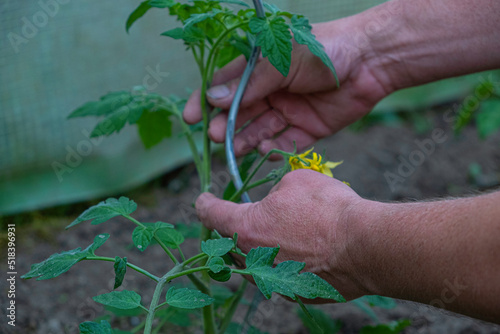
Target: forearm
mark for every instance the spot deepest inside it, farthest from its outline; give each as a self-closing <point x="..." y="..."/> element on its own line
<point x="414" y="42"/>
<point x="444" y="253"/>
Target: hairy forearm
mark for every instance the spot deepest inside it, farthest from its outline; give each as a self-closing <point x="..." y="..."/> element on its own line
<point x="443" y="253"/>
<point x="414" y="42"/>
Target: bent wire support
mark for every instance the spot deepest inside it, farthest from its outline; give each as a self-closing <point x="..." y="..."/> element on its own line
<point x="233" y="111"/>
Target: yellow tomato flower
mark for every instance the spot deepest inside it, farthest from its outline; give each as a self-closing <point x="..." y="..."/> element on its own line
<point x="300" y="161"/>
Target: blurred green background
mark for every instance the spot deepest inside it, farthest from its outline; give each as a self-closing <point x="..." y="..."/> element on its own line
<point x="56" y="55"/>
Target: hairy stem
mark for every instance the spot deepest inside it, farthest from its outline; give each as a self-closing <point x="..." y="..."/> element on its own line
<point x="130" y="265"/>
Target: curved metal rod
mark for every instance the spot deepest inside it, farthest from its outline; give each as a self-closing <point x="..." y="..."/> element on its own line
<point x="233" y="111"/>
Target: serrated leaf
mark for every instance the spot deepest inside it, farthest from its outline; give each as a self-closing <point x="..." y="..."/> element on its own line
<point x="142" y="238"/>
<point x="275" y="40"/>
<point x="187" y="298"/>
<point x="393" y="327"/>
<point x="216" y="264"/>
<point x="217" y="247"/>
<point x="245" y="166"/>
<point x="172" y="238"/>
<point x="99" y="240"/>
<point x="106" y="210"/>
<point x="154" y="126"/>
<point x="120" y="268"/>
<point x="60" y="263"/>
<point x="111" y="101"/>
<point x="89" y="327"/>
<point x="285" y="278"/>
<point x="197" y="18"/>
<point x="302" y="33"/>
<point x="124" y="300"/>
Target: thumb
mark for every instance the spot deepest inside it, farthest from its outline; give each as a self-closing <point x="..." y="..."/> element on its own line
<point x="220" y="215"/>
<point x="265" y="80"/>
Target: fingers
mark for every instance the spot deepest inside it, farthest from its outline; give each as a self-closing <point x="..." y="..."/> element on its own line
<point x="264" y="80"/>
<point x="217" y="130"/>
<point x="223" y="216"/>
<point x="192" y="110"/>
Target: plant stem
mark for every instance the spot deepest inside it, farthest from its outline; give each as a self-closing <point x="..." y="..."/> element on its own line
<point x="187" y="272"/>
<point x="249" y="178"/>
<point x="308" y="314"/>
<point x="194" y="258"/>
<point x="130" y="265"/>
<point x="156" y="298"/>
<point x="251" y="186"/>
<point x="236" y="298"/>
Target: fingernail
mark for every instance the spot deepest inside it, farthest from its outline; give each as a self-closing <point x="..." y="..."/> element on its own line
<point x="218" y="92"/>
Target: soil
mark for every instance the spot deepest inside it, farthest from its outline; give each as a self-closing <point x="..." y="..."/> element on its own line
<point x="447" y="165"/>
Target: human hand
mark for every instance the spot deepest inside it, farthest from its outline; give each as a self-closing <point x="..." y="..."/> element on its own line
<point x="307" y="213"/>
<point x="302" y="107"/>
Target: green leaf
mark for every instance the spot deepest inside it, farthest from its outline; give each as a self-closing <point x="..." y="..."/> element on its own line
<point x="488" y="118"/>
<point x="302" y="33"/>
<point x="172" y="238"/>
<point x="393" y="327"/>
<point x="285" y="278"/>
<point x="111" y="101"/>
<point x="217" y="247"/>
<point x="142" y="237"/>
<point x="106" y="210"/>
<point x="161" y="3"/>
<point x="120" y="267"/>
<point x="176" y="33"/>
<point x="124" y="300"/>
<point x="60" y="263"/>
<point x="197" y="18"/>
<point x="236" y="2"/>
<point x="187" y="298"/>
<point x="189" y="231"/>
<point x="245" y="166"/>
<point x="326" y="323"/>
<point x="137" y="14"/>
<point x="154" y="127"/>
<point x="89" y="327"/>
<point x="274" y="37"/>
<point x="222" y="276"/>
<point x="216" y="264"/>
<point x="144" y="7"/>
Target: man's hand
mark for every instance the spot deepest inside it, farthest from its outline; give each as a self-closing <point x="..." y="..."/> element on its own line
<point x="303" y="107"/>
<point x="307" y="214"/>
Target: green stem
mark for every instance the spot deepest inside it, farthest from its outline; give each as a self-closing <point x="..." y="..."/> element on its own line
<point x="130" y="265"/>
<point x="238" y="194"/>
<point x="195" y="258"/>
<point x="236" y="298"/>
<point x="308" y="314"/>
<point x="187" y="272"/>
<point x="192" y="145"/>
<point x="156" y="298"/>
